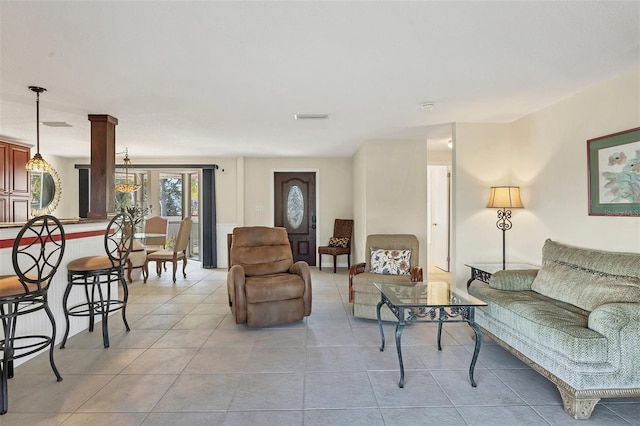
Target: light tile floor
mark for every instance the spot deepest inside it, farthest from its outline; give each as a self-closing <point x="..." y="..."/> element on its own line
<point x="186" y="362"/>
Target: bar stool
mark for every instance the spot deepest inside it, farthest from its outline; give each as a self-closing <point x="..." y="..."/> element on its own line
<point x="37" y="253"/>
<point x="95" y="272"/>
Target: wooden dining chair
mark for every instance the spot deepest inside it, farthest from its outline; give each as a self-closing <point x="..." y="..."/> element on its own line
<point x="179" y="252"/>
<point x="155" y="225"/>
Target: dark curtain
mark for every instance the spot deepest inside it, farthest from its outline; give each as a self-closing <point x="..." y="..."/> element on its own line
<point x="209" y="237"/>
<point x="83" y="193"/>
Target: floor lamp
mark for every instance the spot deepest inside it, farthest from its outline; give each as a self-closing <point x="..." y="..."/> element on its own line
<point x="505" y="198"/>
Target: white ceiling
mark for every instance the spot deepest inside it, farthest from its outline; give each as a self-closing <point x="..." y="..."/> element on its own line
<point x="211" y="78"/>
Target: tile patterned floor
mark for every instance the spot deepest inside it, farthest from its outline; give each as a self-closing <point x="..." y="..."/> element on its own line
<point x="186" y="362"/>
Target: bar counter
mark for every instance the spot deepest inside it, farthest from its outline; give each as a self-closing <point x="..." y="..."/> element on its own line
<point x="70" y="221"/>
<point x="83" y="238"/>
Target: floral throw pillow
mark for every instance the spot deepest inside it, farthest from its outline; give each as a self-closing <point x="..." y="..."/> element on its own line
<point x="339" y="242"/>
<point x="390" y="262"/>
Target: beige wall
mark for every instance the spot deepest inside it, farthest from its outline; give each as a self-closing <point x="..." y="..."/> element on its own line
<point x="546" y="154"/>
<point x="68" y="205"/>
<point x="551" y="164"/>
<point x="333" y="185"/>
<point x="394" y="191"/>
<point x="480" y="160"/>
<point x="440" y="157"/>
<point x="359" y="204"/>
<point x="383" y="187"/>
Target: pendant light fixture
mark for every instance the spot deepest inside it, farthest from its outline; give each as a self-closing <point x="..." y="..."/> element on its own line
<point x="126" y="186"/>
<point x="37" y="163"/>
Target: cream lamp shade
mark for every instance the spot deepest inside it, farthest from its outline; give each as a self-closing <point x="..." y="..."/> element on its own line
<point x="505" y="197"/>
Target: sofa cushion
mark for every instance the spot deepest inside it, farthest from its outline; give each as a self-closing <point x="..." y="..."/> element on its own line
<point x="268" y="288"/>
<point x="584" y="288"/>
<point x="363" y="283"/>
<point x="390" y="261"/>
<point x="513" y="279"/>
<point x="608" y="262"/>
<point x="339" y="242"/>
<point x="557" y="328"/>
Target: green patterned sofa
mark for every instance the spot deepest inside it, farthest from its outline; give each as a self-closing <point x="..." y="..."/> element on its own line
<point x="576" y="320"/>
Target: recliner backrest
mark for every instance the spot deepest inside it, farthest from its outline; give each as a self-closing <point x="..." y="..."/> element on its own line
<point x="261" y="250"/>
<point x="393" y="241"/>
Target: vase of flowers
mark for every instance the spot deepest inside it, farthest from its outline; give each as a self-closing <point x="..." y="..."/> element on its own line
<point x="137" y="213"/>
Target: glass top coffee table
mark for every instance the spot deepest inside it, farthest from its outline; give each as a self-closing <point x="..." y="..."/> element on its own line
<point x="428" y="302"/>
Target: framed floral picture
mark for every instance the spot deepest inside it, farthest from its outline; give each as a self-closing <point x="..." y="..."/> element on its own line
<point x="614" y="174"/>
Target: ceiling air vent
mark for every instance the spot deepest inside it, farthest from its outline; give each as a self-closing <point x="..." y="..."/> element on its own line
<point x="56" y="124"/>
<point x="310" y="116"/>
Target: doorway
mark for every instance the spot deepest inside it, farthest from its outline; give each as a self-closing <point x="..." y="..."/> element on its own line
<point x="178" y="197"/>
<point x="295" y="210"/>
<point x="438" y="200"/>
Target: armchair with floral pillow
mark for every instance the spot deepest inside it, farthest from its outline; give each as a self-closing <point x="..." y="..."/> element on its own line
<point x="390" y="258"/>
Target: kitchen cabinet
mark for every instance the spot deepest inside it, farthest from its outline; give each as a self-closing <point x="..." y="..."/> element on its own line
<point x="15" y="189"/>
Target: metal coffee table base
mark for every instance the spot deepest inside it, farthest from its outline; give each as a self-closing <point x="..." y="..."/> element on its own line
<point x="431" y="314"/>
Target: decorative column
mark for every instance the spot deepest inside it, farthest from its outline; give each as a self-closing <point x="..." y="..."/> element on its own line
<point x="103" y="154"/>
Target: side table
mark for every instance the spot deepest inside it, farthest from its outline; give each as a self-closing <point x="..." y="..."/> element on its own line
<point x="483" y="271"/>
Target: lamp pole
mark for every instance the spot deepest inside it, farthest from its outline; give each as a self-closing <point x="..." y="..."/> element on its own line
<point x="504" y="224"/>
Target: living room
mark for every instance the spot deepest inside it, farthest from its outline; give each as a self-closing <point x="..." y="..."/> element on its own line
<point x="372" y="183"/>
<point x="532" y="135"/>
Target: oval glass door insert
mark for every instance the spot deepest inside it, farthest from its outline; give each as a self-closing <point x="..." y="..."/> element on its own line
<point x="295" y="207"/>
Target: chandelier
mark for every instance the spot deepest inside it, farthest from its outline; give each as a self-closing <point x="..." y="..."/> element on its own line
<point x="126" y="186"/>
<point x="37" y="163"/>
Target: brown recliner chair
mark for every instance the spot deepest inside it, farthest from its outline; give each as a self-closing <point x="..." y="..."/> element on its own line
<point x="265" y="286"/>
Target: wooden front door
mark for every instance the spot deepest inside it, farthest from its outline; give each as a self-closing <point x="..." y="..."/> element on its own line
<point x="295" y="210"/>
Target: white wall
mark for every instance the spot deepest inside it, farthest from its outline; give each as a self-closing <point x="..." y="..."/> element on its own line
<point x="544" y="153"/>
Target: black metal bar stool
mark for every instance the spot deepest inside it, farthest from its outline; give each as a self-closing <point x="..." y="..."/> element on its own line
<point x="37" y="253"/>
<point x="95" y="275"/>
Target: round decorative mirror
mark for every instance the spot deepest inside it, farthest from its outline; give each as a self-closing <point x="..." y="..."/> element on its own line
<point x="45" y="192"/>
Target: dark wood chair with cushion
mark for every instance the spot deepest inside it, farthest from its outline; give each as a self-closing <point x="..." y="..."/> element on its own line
<point x="339" y="244"/>
<point x="265" y="286"/>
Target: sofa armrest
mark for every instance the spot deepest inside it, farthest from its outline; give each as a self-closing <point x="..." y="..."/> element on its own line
<point x="620" y="324"/>
<point x="416" y="274"/>
<point x="237" y="295"/>
<point x="513" y="280"/>
<point x="301" y="268"/>
<point x="616" y="318"/>
<point x="356" y="269"/>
